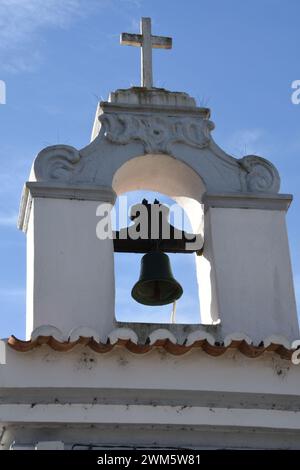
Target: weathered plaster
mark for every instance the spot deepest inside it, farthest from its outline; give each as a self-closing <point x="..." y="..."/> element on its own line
<point x="186" y="401"/>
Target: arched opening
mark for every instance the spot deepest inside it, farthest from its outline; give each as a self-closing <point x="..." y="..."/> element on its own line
<point x="127" y="271"/>
<point x="171" y="181"/>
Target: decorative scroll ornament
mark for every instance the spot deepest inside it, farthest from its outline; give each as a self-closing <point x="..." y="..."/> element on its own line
<point x="57" y="162"/>
<point x="261" y="175"/>
<point x="65" y="164"/>
<point x="156" y="133"/>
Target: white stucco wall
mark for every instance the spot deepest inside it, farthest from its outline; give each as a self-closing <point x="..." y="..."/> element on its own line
<point x="252" y="275"/>
<point x="121" y="398"/>
<point x="70" y="272"/>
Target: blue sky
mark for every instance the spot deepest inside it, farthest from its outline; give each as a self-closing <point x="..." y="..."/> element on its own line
<point x="58" y="58"/>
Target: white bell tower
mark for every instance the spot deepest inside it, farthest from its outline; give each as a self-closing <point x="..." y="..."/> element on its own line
<point x="219" y="379"/>
<point x="150" y="138"/>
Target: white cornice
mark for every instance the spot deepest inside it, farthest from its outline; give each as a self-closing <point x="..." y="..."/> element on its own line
<point x="279" y="202"/>
<point x="51" y="190"/>
<point x="152" y="108"/>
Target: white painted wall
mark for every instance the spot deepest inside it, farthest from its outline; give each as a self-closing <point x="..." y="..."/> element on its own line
<point x="44" y="369"/>
<point x="70" y="272"/>
<point x="251" y="272"/>
<point x="30" y="263"/>
<point x="191" y="400"/>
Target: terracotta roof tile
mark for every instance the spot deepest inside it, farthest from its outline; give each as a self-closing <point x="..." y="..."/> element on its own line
<point x="215" y="350"/>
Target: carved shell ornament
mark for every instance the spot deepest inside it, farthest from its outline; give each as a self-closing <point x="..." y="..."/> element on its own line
<point x="156" y="133"/>
<point x="261" y="175"/>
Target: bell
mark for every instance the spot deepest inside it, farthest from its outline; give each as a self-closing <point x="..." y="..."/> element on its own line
<point x="156" y="285"/>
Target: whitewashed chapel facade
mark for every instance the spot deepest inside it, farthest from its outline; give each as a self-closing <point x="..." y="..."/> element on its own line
<point x="81" y="378"/>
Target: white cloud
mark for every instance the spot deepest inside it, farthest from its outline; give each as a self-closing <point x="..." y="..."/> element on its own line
<point x="8" y="220"/>
<point x="246" y="142"/>
<point x="22" y="21"/>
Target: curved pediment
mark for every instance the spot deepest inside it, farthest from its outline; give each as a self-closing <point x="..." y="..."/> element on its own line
<point x="135" y="126"/>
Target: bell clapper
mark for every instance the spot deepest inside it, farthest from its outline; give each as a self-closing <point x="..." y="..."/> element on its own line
<point x="173" y="314"/>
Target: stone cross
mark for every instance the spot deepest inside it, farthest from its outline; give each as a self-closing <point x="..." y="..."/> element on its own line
<point x="146" y="41"/>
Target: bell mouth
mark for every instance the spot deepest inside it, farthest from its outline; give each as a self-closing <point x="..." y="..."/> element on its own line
<point x="156" y="292"/>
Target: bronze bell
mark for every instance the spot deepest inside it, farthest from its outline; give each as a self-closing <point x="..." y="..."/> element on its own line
<point x="156" y="285"/>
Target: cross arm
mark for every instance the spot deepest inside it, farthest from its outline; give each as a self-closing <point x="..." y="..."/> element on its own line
<point x="161" y="42"/>
<point x="128" y="39"/>
<point x="157" y="42"/>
